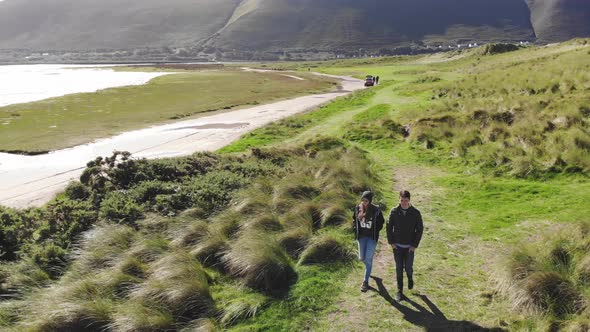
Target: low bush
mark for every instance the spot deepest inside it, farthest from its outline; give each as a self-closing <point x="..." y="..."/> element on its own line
<point x="119" y="207"/>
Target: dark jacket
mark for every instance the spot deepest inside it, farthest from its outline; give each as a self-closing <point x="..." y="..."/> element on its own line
<point x="405" y="229"/>
<point x="374" y="213"/>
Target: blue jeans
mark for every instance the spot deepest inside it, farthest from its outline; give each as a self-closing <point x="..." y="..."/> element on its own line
<point x="366" y="251"/>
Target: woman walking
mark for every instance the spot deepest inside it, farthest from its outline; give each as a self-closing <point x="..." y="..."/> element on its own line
<point x="367" y="223"/>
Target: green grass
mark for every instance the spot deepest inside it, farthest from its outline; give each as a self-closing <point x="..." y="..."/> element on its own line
<point x="475" y="214"/>
<point x="476" y="217"/>
<point x="491" y="207"/>
<point x="81" y="118"/>
<point x="287" y="128"/>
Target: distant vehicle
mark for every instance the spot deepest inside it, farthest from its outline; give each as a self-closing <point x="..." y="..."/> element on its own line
<point x="369" y="80"/>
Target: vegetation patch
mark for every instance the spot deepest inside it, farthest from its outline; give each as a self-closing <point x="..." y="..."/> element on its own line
<point x="549" y="275"/>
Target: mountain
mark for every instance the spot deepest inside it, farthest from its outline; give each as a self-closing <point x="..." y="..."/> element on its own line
<point x="113" y="24"/>
<point x="558" y="20"/>
<point x="283" y="24"/>
<point x="264" y="24"/>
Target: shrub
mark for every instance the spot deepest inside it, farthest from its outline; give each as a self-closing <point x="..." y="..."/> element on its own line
<point x="77" y="191"/>
<point x="120" y="208"/>
<point x="12" y="232"/>
<point x="65" y="220"/>
<point x="50" y="258"/>
<point x="147" y="191"/>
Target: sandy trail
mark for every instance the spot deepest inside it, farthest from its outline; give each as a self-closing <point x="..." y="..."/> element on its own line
<point x="27" y="181"/>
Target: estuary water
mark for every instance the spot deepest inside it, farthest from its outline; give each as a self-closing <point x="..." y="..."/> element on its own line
<point x="26" y="83"/>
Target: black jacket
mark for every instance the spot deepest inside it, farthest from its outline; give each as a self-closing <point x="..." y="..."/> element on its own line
<point x="374" y="213"/>
<point x="405" y="229"/>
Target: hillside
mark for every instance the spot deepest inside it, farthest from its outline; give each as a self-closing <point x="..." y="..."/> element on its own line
<point x="267" y="25"/>
<point x="558" y="20"/>
<point x="271" y="24"/>
<point x="257" y="236"/>
<point x="110" y="24"/>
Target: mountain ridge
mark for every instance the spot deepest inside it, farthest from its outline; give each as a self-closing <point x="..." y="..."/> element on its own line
<point x="275" y="25"/>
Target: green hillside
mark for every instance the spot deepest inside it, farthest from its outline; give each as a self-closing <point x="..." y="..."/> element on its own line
<point x="493" y="145"/>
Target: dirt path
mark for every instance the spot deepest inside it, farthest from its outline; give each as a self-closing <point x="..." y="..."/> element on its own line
<point x="453" y="290"/>
<point x="33" y="180"/>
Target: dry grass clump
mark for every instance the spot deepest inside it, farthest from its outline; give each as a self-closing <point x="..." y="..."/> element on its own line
<point x="191" y="234"/>
<point x="552" y="275"/>
<point x="245" y="306"/>
<point x="335" y="215"/>
<point x="177" y="283"/>
<point x="583" y="271"/>
<point x="263" y="223"/>
<point x="91" y="315"/>
<point x="17" y="278"/>
<point x="201" y="325"/>
<point x="260" y="263"/>
<point x="102" y="246"/>
<point x="294" y="241"/>
<point x="132" y="317"/>
<point x="325" y="248"/>
<point x="210" y="251"/>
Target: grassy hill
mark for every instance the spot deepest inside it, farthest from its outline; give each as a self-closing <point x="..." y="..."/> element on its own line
<point x="282" y="24"/>
<point x="257" y="236"/>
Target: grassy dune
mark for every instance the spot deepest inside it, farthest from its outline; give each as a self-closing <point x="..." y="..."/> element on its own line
<point x="81" y="118"/>
<point x="266" y="245"/>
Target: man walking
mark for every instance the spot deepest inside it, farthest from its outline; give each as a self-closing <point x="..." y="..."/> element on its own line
<point x="404" y="232"/>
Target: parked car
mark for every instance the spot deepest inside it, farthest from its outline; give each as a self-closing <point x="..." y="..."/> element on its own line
<point x="369" y="80"/>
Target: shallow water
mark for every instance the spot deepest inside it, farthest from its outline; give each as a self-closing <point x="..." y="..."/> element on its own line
<point x="26" y="83"/>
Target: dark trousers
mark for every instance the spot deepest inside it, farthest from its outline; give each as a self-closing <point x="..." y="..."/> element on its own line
<point x="404" y="260"/>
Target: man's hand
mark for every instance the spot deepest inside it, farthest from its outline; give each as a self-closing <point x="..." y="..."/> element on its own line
<point x="412" y="249"/>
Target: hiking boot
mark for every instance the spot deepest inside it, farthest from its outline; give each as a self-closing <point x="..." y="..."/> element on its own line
<point x="399" y="296"/>
<point x="410" y="283"/>
<point x="365" y="286"/>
